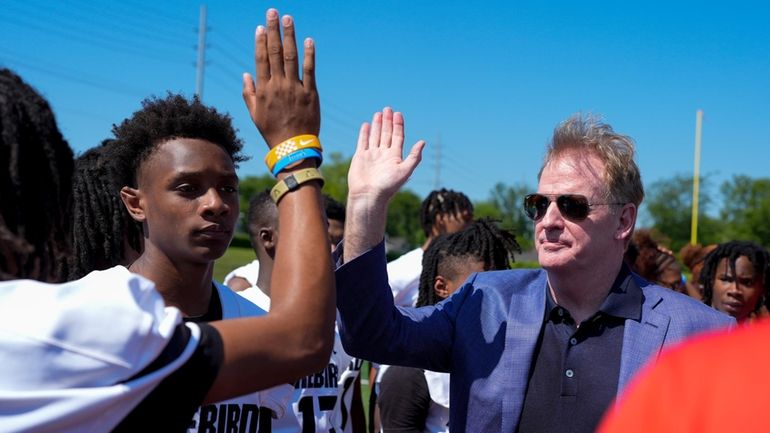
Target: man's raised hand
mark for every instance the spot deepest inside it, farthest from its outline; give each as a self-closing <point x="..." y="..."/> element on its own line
<point x="377" y="171"/>
<point x="378" y="168"/>
<point x="281" y="104"/>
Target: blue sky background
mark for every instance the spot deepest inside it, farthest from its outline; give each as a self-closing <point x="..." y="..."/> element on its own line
<point x="488" y="80"/>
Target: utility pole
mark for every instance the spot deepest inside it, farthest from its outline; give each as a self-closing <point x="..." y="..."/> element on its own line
<point x="696" y="178"/>
<point x="437" y="180"/>
<point x="201" y="53"/>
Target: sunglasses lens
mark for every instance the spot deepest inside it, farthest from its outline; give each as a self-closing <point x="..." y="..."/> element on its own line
<point x="574" y="207"/>
<point x="535" y="205"/>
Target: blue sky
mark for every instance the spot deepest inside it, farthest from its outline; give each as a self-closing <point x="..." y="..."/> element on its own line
<point x="489" y="81"/>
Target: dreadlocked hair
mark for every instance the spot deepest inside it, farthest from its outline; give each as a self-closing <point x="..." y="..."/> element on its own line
<point x="483" y="240"/>
<point x="173" y="117"/>
<point x="101" y="225"/>
<point x="442" y="201"/>
<point x="758" y="256"/>
<point x="35" y="182"/>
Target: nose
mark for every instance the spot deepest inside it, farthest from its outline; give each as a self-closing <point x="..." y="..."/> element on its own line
<point x="735" y="290"/>
<point x="552" y="217"/>
<point x="212" y="203"/>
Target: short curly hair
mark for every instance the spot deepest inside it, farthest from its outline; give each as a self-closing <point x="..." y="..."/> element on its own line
<point x="174" y="116"/>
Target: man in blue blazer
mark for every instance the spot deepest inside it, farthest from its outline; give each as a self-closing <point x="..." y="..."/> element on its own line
<point x="529" y="350"/>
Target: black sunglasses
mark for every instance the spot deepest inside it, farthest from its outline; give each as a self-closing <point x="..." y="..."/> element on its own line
<point x="574" y="207"/>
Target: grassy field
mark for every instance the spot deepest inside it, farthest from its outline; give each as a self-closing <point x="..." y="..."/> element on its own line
<point x="233" y="258"/>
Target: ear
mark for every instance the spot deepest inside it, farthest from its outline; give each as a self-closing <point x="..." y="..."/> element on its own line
<point x="626" y="222"/>
<point x="132" y="199"/>
<point x="267" y="238"/>
<point x="440" y="287"/>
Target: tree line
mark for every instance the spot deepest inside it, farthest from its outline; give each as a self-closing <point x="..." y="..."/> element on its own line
<point x="740" y="210"/>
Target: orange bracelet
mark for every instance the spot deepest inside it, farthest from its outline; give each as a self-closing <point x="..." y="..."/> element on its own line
<point x="289" y="146"/>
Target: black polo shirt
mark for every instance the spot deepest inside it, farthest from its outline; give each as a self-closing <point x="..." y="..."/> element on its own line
<point x="575" y="370"/>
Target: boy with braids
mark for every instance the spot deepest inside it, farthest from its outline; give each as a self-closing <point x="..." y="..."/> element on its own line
<point x="416" y="400"/>
<point x="736" y="279"/>
<point x="103" y="235"/>
<point x="105" y="353"/>
<point x="443" y="211"/>
<point x="330" y="399"/>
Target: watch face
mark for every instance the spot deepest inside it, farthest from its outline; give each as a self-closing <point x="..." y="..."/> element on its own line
<point x="291" y="182"/>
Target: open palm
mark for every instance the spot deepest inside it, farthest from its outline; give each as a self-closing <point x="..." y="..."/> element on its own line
<point x="378" y="168"/>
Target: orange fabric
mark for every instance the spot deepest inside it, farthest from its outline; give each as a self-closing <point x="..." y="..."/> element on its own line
<point x="715" y="383"/>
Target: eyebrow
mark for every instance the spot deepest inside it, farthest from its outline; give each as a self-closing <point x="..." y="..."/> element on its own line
<point x="185" y="174"/>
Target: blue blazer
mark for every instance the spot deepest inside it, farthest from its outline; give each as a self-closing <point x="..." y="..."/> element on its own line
<point x="485" y="334"/>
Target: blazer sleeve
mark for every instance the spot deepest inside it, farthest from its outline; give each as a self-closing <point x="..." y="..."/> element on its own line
<point x="373" y="328"/>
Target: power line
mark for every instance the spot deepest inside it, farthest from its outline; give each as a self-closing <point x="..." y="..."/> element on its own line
<point x="78" y="78"/>
<point x="152" y="12"/>
<point x="140" y="19"/>
<point x="77" y="38"/>
<point x="115" y="25"/>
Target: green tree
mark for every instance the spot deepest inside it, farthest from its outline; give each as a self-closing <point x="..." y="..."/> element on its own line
<point x="335" y="170"/>
<point x="505" y="204"/>
<point x="250" y="186"/>
<point x="403" y="218"/>
<point x="746" y="209"/>
<point x="668" y="203"/>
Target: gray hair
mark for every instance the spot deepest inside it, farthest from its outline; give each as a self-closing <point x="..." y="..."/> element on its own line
<point x="587" y="134"/>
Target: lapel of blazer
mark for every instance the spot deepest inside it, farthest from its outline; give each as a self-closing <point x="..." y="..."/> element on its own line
<point x="525" y="318"/>
<point x="643" y="340"/>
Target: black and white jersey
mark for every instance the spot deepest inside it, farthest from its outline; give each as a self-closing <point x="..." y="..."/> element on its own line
<point x="73" y="355"/>
<point x="254" y="412"/>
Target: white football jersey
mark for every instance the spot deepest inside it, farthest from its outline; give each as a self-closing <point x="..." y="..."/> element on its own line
<point x="320" y="402"/>
<point x="70" y="353"/>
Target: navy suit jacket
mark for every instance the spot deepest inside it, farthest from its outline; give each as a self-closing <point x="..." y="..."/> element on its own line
<point x="485" y="334"/>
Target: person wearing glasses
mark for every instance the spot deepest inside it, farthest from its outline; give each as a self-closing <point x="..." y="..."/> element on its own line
<point x="528" y="350"/>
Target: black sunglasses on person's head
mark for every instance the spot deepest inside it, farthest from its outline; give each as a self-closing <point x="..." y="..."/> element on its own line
<point x="574" y="207"/>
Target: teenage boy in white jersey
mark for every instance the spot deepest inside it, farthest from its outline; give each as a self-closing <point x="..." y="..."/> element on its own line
<point x="103" y="353"/>
<point x="329" y="400"/>
<point x="184" y="193"/>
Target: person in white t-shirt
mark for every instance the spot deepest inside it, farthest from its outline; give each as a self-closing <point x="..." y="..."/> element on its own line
<point x="105" y="352"/>
<point x="328" y="400"/>
<point x="243" y="277"/>
<point x="443" y="211"/>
